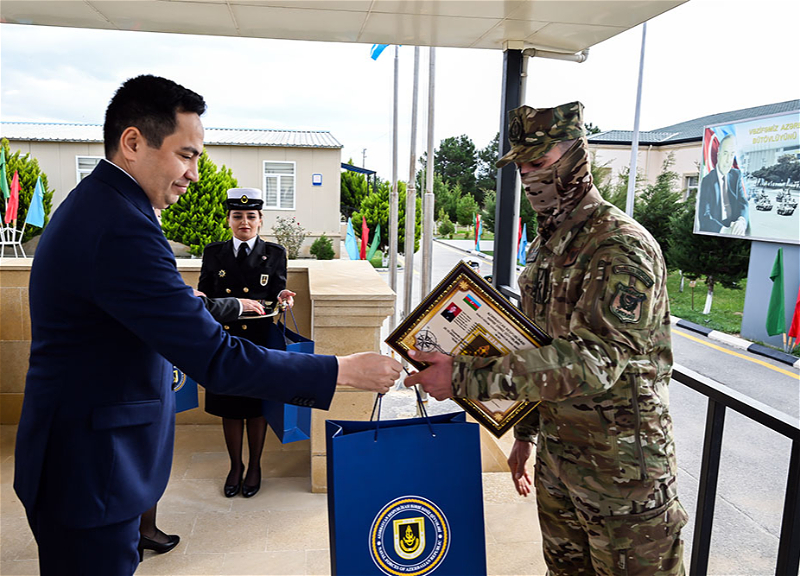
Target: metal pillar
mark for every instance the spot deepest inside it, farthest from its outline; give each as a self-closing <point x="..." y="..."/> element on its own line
<point x="393" y="202"/>
<point x="507" y="210"/>
<point x="411" y="196"/>
<point x="428" y="199"/>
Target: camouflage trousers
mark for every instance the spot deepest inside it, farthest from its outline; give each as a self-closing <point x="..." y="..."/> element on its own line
<point x="593" y="525"/>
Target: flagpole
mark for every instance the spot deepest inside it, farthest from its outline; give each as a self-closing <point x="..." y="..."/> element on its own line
<point x="411" y="195"/>
<point x="635" y="143"/>
<point x="393" y="197"/>
<point x="428" y="199"/>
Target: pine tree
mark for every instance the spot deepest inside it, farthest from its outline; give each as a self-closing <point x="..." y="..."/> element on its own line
<point x="375" y="208"/>
<point x="722" y="260"/>
<point x="354" y="189"/>
<point x="654" y="206"/>
<point x="199" y="216"/>
<point x="29" y="171"/>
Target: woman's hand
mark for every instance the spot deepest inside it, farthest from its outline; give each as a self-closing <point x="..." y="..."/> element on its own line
<point x="251" y="306"/>
<point x="286" y="299"/>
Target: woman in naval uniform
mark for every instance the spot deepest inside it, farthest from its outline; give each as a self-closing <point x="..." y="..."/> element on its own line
<point x="245" y="267"/>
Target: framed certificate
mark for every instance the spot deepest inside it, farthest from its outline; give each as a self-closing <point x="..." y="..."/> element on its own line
<point x="465" y="315"/>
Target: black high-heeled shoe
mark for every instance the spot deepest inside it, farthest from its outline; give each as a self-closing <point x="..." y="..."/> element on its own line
<point x="146" y="543"/>
<point x="231" y="490"/>
<point x="250" y="491"/>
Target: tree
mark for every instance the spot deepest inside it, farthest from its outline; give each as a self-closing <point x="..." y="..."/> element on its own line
<point x="654" y="206"/>
<point x="616" y="192"/>
<point x="354" y="188"/>
<point x="199" y="216"/>
<point x="487" y="171"/>
<point x="591" y="128"/>
<point x="526" y="213"/>
<point x="787" y="168"/>
<point x="455" y="161"/>
<point x="322" y="248"/>
<point x="722" y="260"/>
<point x="466" y="209"/>
<point x="29" y="171"/>
<point x="375" y="208"/>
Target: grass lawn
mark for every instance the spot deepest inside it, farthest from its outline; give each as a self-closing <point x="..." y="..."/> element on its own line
<point x="726" y="309"/>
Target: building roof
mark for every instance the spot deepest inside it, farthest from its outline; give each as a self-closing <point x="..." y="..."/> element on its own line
<point x="47" y="132"/>
<point x="692" y="130"/>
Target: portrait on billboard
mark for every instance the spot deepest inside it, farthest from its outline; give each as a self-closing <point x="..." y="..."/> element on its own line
<point x="750" y="180"/>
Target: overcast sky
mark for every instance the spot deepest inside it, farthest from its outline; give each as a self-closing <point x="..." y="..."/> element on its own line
<point x="703" y="57"/>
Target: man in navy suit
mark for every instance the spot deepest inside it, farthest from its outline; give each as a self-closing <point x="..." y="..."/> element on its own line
<point x="110" y="314"/>
<point x="722" y="205"/>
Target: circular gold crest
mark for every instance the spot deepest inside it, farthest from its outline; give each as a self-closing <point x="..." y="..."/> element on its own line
<point x="244" y="198"/>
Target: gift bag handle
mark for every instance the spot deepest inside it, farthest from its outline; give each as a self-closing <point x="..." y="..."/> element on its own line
<point x="379" y="403"/>
<point x="293" y="320"/>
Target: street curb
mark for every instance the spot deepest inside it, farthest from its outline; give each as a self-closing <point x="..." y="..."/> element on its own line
<point x="727" y="339"/>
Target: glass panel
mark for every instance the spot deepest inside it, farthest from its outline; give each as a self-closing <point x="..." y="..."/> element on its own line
<point x="279" y="168"/>
<point x="287" y="191"/>
<point x="271" y="191"/>
<point x="87" y="164"/>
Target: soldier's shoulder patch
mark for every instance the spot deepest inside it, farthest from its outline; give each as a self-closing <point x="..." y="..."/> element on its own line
<point x="627" y="303"/>
<point x="635" y="272"/>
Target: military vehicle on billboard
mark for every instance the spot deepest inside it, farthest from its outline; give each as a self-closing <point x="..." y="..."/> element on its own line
<point x="764" y="205"/>
<point x="786" y="209"/>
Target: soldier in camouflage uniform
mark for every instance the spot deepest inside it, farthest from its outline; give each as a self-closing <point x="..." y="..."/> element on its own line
<point x="595" y="280"/>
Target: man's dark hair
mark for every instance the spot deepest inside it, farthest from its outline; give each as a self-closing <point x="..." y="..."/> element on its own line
<point x="149" y="103"/>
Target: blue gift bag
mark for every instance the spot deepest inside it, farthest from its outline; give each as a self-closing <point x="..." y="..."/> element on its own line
<point x="405" y="498"/>
<point x="290" y="423"/>
<point x="185" y="390"/>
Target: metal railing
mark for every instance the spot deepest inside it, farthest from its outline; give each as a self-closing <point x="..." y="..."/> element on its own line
<point x="720" y="399"/>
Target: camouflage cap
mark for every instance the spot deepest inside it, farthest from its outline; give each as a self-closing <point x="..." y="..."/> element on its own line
<point x="533" y="132"/>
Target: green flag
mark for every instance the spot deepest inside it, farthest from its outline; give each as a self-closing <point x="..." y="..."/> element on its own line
<point x="3" y="176"/>
<point x="776" y="313"/>
<point x="375" y="241"/>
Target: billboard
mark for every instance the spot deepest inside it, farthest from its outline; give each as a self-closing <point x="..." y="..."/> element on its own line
<point x="750" y="179"/>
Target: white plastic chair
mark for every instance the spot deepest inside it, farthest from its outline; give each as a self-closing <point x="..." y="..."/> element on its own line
<point x="12" y="237"/>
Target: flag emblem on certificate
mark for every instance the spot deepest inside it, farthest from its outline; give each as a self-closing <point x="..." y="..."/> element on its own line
<point x="471" y="302"/>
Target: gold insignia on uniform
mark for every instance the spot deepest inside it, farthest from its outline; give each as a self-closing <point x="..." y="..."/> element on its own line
<point x="227" y="290"/>
<point x="244" y="198"/>
<point x="409" y="537"/>
<point x="245" y="289"/>
<point x="244" y="326"/>
<point x="627" y="303"/>
<point x="264" y="279"/>
<point x="222" y="273"/>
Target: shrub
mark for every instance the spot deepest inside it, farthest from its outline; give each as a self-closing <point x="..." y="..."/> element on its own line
<point x="446" y="227"/>
<point x="29" y="171"/>
<point x="322" y="248"/>
<point x="199" y="216"/>
<point x="290" y="234"/>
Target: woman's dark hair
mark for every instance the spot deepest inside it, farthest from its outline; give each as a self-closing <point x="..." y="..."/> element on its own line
<point x="149" y="103"/>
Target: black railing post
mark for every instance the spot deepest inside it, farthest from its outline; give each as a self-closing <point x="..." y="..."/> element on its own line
<point x="707" y="491"/>
<point x="506" y="210"/>
<point x="789" y="547"/>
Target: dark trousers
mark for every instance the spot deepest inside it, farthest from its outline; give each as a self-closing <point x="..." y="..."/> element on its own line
<point x="102" y="551"/>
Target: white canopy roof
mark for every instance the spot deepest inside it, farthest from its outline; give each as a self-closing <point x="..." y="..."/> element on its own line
<point x="560" y="25"/>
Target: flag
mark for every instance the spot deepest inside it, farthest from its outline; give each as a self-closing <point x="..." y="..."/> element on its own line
<point x="377" y="50"/>
<point x="35" y="216"/>
<point x="3" y="175"/>
<point x="523" y="245"/>
<point x="794" y="329"/>
<point x="13" y="200"/>
<point x="364" y="237"/>
<point x="519" y="233"/>
<point x="350" y="241"/>
<point x="477" y="232"/>
<point x="376" y="239"/>
<point x="776" y="312"/>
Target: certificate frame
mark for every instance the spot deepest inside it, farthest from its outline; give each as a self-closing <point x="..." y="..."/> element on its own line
<point x="434" y="320"/>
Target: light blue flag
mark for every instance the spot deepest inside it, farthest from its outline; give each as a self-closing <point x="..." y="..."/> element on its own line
<point x="377" y="50"/>
<point x="478" y="236"/>
<point x="523" y="246"/>
<point x="35" y="215"/>
<point x="350" y="243"/>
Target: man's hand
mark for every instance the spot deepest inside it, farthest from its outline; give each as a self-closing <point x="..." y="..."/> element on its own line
<point x="739" y="226"/>
<point x="251" y="306"/>
<point x="368" y="371"/>
<point x="436" y="379"/>
<point x="197" y="292"/>
<point x="517" y="460"/>
<point x="286" y="299"/>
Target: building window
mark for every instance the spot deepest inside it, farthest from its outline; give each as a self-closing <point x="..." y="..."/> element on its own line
<point x="690" y="184"/>
<point x="85" y="164"/>
<point x="279" y="180"/>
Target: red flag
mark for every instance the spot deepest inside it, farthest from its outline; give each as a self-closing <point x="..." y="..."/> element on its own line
<point x="519" y="235"/>
<point x="364" y="237"/>
<point x="13" y="200"/>
<point x="794" y="329"/>
<point x="477" y="227"/>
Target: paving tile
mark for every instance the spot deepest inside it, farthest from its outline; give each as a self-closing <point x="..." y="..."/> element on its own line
<point x="19" y="567"/>
<point x="230" y="533"/>
<point x="279" y="563"/>
<point x="517" y="559"/>
<point x="283" y="494"/>
<point x="15" y="537"/>
<point x="194" y="496"/>
<point x="298" y="529"/>
<point x="173" y="563"/>
<point x="512" y="523"/>
<point x="318" y="562"/>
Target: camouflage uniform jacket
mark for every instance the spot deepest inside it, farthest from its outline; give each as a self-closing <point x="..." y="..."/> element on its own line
<point x="598" y="287"/>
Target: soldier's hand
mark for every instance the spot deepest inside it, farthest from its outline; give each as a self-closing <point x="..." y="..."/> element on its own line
<point x="517" y="462"/>
<point x="436" y="379"/>
<point x="251" y="306"/>
<point x="368" y="371"/>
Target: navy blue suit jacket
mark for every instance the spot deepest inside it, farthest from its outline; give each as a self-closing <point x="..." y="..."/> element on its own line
<point x="109" y="315"/>
<point x="709" y="208"/>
